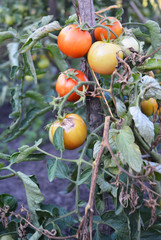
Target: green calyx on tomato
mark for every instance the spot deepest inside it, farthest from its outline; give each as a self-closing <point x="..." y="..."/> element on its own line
<point x="114" y="26"/>
<point x="74" y="130"/>
<point x="73" y="41"/>
<point x="149" y="107"/>
<point x="102" y="57"/>
<point x="68" y="80"/>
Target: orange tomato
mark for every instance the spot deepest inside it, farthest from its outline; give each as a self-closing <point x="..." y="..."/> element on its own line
<point x="73" y="41"/>
<point x="149" y="107"/>
<point x="74" y="131"/>
<point x="115" y="26"/>
<point x="64" y="84"/>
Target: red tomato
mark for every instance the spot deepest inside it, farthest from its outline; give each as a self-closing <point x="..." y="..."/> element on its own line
<point x="73" y="41"/>
<point x="74" y="131"/>
<point x="149" y="107"/>
<point x="65" y="84"/>
<point x="115" y="26"/>
<point x="102" y="57"/>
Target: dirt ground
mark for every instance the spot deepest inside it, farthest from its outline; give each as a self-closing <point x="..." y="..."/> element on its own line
<point x="54" y="191"/>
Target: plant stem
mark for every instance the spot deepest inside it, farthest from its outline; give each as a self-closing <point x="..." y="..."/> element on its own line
<point x="7" y="176"/>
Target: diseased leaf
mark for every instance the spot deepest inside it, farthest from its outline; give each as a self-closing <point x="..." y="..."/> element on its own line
<point x="152" y="86"/>
<point x="13" y="57"/>
<point x="143" y="124"/>
<point x="38" y="34"/>
<point x="129" y="151"/>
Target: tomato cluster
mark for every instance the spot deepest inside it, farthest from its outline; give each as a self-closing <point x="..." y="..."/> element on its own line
<point x="75" y="42"/>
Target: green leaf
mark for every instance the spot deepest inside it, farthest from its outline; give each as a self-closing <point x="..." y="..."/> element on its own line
<point x="57" y="168"/>
<point x="138" y="33"/>
<point x="16" y="102"/>
<point x="8" y="200"/>
<point x="13" y="57"/>
<point x="129" y="151"/>
<point x="72" y="19"/>
<point x="6" y="35"/>
<point x="58" y="57"/>
<point x="154" y="30"/>
<point x="30" y="65"/>
<point x="106" y="187"/>
<point x="117" y="222"/>
<point x="38" y="34"/>
<point x="96" y="149"/>
<point x="58" y="140"/>
<point x="33" y="195"/>
<point x="4" y="156"/>
<point x="100" y="204"/>
<point x="38" y="97"/>
<point x="52" y="170"/>
<point x="120" y="107"/>
<point x="151" y="64"/>
<point x="143" y="124"/>
<point x="85" y="175"/>
<point x="1" y="165"/>
<point x="25" y="153"/>
<point x="154" y="88"/>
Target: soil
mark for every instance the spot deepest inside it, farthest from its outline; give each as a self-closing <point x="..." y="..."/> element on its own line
<point x="52" y="191"/>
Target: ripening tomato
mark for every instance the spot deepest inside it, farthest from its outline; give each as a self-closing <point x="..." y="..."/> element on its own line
<point x="66" y="82"/>
<point x="102" y="57"/>
<point x="74" y="130"/>
<point x="114" y="25"/>
<point x="149" y="107"/>
<point x="73" y="41"/>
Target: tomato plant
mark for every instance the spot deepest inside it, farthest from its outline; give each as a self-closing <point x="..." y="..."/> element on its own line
<point x="102" y="57"/>
<point x="74" y="130"/>
<point x="149" y="107"/>
<point x="73" y="41"/>
<point x="113" y="24"/>
<point x="119" y="158"/>
<point x="66" y="82"/>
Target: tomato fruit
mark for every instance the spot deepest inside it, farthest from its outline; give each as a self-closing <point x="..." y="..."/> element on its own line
<point x="65" y="84"/>
<point x="73" y="41"/>
<point x="9" y="20"/>
<point x="74" y="130"/>
<point x="43" y="63"/>
<point x="128" y="42"/>
<point x="115" y="26"/>
<point x="102" y="57"/>
<point x="29" y="78"/>
<point x="149" y="107"/>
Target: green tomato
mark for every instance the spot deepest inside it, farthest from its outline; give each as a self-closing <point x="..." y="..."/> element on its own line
<point x="128" y="42"/>
<point x="9" y="20"/>
<point x="43" y="63"/>
<point x="29" y="78"/>
<point x="6" y="237"/>
<point x="21" y="8"/>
